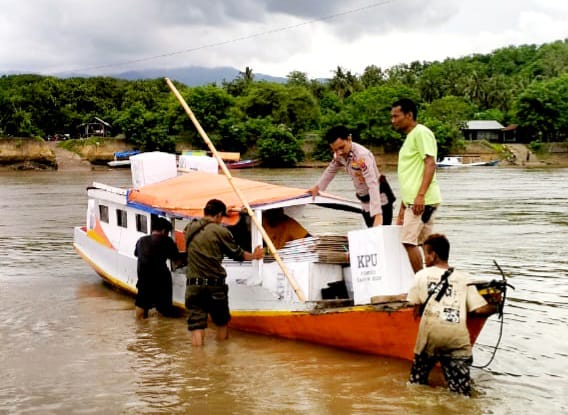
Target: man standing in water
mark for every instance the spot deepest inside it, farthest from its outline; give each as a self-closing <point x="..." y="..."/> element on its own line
<point x="443" y="297"/>
<point x="417" y="179"/>
<point x="154" y="278"/>
<point x="360" y="164"/>
<point x="206" y="293"/>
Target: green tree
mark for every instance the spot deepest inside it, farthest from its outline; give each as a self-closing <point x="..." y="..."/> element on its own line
<point x="372" y="76"/>
<point x="147" y="130"/>
<point x="241" y="83"/>
<point x="343" y="83"/>
<point x="293" y="107"/>
<point x="279" y="148"/>
<point x="542" y="109"/>
<point x="298" y="78"/>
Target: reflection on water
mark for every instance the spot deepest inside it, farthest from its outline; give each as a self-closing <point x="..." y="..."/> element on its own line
<point x="69" y="344"/>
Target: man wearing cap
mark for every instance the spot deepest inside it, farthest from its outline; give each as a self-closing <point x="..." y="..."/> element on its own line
<point x="206" y="293"/>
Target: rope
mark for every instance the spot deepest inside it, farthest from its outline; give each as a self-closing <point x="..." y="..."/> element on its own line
<point x="498" y="338"/>
<point x="501" y="317"/>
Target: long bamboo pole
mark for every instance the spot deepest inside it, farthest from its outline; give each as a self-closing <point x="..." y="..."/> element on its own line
<point x="243" y="200"/>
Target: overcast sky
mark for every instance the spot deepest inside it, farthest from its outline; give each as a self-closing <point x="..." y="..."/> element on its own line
<point x="271" y="36"/>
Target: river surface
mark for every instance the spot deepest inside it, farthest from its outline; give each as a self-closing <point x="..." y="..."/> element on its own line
<point x="70" y="345"/>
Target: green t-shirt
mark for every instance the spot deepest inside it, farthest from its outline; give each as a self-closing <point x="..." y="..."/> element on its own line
<point x="419" y="143"/>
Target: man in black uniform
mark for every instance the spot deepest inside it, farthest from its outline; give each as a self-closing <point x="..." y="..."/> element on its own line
<point x="154" y="278"/>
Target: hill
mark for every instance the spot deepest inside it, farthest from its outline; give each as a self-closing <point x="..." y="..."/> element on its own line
<point x="189" y="75"/>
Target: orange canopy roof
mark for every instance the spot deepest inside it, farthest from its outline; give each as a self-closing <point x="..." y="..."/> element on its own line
<point x="186" y="195"/>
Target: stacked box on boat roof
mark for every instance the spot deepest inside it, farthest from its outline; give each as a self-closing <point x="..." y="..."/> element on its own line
<point x="152" y="167"/>
<point x="199" y="163"/>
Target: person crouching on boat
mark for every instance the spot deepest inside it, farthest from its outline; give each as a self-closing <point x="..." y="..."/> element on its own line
<point x="360" y="164"/>
<point x="154" y="278"/>
<point x="442" y="296"/>
<point x="206" y="293"/>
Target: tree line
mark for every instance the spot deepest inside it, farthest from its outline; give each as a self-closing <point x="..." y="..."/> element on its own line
<point x="524" y="85"/>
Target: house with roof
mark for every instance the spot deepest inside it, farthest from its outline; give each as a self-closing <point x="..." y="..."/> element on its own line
<point x="97" y="127"/>
<point x="489" y="130"/>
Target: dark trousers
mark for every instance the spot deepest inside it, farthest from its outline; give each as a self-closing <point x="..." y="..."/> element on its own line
<point x="387" y="216"/>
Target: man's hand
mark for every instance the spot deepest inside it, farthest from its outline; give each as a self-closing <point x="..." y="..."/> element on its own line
<point x="378" y="220"/>
<point x="258" y="253"/>
<point x="314" y="191"/>
<point x="418" y="206"/>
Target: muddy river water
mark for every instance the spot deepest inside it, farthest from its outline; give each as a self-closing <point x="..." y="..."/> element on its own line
<point x="70" y="345"/>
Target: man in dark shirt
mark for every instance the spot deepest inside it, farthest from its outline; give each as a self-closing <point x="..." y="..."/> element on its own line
<point x="154" y="278"/>
<point x="206" y="293"/>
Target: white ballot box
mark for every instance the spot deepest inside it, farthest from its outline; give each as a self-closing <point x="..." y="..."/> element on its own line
<point x="379" y="263"/>
<point x="152" y="167"/>
<point x="199" y="163"/>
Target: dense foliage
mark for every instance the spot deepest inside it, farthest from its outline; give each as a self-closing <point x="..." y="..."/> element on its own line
<point x="525" y="85"/>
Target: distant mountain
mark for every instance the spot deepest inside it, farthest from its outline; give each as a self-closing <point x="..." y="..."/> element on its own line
<point x="191" y="75"/>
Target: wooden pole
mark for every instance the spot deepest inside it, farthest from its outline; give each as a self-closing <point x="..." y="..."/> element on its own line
<point x="245" y="203"/>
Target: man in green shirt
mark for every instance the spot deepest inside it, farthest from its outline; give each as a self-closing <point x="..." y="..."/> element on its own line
<point x="206" y="293"/>
<point x="417" y="179"/>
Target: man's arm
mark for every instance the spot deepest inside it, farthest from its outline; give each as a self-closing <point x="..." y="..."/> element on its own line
<point x="371" y="176"/>
<point x="326" y="177"/>
<point x="400" y="218"/>
<point x="258" y="253"/>
<point x="429" y="170"/>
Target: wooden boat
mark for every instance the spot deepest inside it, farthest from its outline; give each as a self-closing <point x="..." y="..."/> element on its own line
<point x="243" y="164"/>
<point x="122" y="158"/>
<point x="457" y="161"/>
<point x="261" y="301"/>
<point x="232" y="159"/>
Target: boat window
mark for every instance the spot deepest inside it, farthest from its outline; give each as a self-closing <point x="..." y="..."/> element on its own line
<point x="121" y="218"/>
<point x="103" y="213"/>
<point x="141" y="223"/>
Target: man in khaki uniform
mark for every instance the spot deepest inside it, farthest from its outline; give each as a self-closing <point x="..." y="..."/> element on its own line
<point x="360" y="165"/>
<point x="206" y="292"/>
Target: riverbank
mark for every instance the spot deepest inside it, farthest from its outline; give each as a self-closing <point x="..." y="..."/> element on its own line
<point x="37" y="154"/>
<point x="32" y="153"/>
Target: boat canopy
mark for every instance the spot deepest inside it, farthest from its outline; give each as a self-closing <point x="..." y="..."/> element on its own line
<point x="125" y="154"/>
<point x="186" y="195"/>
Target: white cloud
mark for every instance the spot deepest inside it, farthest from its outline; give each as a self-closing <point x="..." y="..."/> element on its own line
<point x="313" y="36"/>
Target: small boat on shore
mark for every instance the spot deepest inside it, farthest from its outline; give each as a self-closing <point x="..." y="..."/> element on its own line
<point x="457" y="161"/>
<point x="243" y="164"/>
<point x="231" y="159"/>
<point x="368" y="314"/>
<point x="122" y="158"/>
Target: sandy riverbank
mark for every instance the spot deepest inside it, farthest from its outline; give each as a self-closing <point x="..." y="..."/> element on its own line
<point x="36" y="154"/>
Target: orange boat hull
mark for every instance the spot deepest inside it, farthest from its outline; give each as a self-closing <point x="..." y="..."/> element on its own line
<point x="360" y="329"/>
